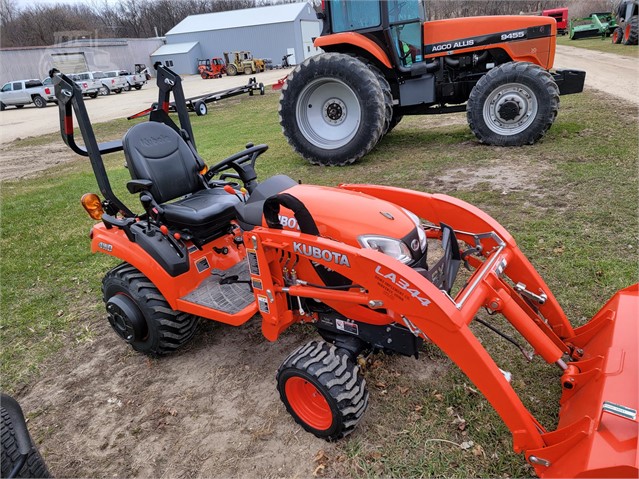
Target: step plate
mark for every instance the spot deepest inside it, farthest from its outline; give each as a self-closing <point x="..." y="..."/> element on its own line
<point x="229" y="298"/>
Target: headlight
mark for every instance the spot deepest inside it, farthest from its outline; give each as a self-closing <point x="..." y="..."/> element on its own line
<point x="390" y="246"/>
<point x="420" y="231"/>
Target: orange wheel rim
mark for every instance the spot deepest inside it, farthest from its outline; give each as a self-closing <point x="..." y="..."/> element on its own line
<point x="626" y="34"/>
<point x="308" y="403"/>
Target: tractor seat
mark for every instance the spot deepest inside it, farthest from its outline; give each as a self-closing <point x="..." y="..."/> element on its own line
<point x="156" y="152"/>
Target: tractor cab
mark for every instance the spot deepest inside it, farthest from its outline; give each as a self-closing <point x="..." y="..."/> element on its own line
<point x="395" y="24"/>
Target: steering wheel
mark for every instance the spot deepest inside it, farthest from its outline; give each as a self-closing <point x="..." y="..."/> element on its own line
<point x="243" y="162"/>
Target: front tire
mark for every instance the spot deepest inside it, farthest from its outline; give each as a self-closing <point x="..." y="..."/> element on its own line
<point x="514" y="104"/>
<point x="322" y="389"/>
<point x="127" y="87"/>
<point x="104" y="91"/>
<point x="93" y="95"/>
<point x="39" y="102"/>
<point x="332" y="109"/>
<point x="140" y="315"/>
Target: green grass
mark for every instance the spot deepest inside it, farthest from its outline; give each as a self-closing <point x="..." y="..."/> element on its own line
<point x="577" y="222"/>
<point x="600" y="44"/>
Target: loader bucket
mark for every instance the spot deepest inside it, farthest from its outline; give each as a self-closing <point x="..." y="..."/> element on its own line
<point x="598" y="431"/>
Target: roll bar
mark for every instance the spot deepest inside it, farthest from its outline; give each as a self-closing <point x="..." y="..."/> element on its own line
<point x="70" y="101"/>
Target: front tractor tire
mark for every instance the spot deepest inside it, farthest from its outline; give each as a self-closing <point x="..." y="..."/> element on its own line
<point x="514" y="104"/>
<point x="333" y="109"/>
<point x="322" y="389"/>
<point x="140" y="315"/>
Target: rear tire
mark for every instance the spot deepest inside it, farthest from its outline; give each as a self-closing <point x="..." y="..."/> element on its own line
<point x="141" y="316"/>
<point x="137" y="87"/>
<point x="630" y="33"/>
<point x="118" y="91"/>
<point x="332" y="109"/>
<point x="34" y="467"/>
<point x="388" y="98"/>
<point x="2" y="106"/>
<point x="396" y="118"/>
<point x="322" y="389"/>
<point x="93" y="95"/>
<point x="617" y="35"/>
<point x="39" y="102"/>
<point x="514" y="104"/>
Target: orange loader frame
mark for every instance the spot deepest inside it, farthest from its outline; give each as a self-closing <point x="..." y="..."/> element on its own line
<point x="597" y="435"/>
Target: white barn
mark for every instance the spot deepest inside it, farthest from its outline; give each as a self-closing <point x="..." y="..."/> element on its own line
<point x="267" y="32"/>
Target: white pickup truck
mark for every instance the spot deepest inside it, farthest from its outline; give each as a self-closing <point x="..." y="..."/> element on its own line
<point x="90" y="88"/>
<point x="133" y="80"/>
<point x="109" y="83"/>
<point x="23" y="92"/>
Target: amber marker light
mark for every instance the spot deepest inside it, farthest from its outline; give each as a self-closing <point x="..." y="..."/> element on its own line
<point x="93" y="205"/>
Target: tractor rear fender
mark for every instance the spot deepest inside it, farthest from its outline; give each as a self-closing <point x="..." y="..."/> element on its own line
<point x="523" y="38"/>
<point x="114" y="242"/>
<point x="348" y="41"/>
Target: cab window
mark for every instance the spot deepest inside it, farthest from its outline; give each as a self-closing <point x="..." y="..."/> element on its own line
<point x="404" y="10"/>
<point x="407" y="40"/>
<point x="348" y="15"/>
<point x="17" y="86"/>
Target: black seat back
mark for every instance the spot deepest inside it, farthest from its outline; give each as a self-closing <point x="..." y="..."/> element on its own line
<point x="156" y="152"/>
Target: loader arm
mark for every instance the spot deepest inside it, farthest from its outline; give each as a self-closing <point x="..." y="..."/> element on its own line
<point x="503" y="281"/>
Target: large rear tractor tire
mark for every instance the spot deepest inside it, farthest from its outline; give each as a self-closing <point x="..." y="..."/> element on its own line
<point x="514" y="104"/>
<point x="33" y="467"/>
<point x="322" y="389"/>
<point x="630" y="33"/>
<point x="332" y="109"/>
<point x="141" y="316"/>
<point x="388" y="98"/>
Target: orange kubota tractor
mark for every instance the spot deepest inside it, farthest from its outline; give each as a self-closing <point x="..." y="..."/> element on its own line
<point x="354" y="262"/>
<point x="213" y="68"/>
<point x="383" y="61"/>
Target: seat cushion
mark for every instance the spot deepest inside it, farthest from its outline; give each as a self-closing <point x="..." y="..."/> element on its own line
<point x="203" y="212"/>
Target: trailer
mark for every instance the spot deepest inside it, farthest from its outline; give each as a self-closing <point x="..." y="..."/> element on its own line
<point x="198" y="103"/>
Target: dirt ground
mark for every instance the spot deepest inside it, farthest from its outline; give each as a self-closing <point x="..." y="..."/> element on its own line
<point x="99" y="409"/>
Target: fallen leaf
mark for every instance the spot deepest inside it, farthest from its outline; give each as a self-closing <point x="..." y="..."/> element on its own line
<point x="466" y="445"/>
<point x="418" y="408"/>
<point x="478" y="451"/>
<point x="320" y="456"/>
<point x="380" y="385"/>
<point x="319" y="470"/>
<point x="450" y="411"/>
<point x="402" y="390"/>
<point x="439" y="397"/>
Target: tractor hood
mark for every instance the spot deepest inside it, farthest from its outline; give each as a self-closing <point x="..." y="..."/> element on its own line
<point x="350" y="217"/>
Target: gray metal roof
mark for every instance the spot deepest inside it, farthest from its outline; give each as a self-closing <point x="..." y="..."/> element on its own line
<point x="175" y="48"/>
<point x="239" y="18"/>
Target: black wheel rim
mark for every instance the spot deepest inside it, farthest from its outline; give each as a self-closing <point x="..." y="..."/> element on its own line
<point x="126" y="319"/>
